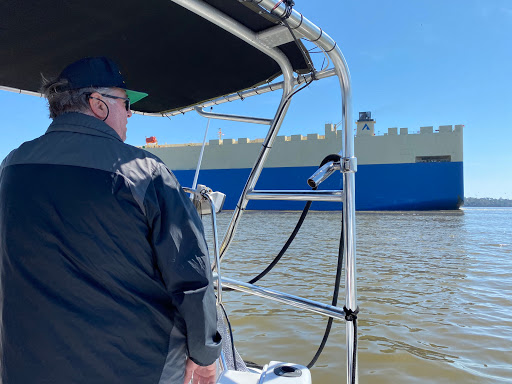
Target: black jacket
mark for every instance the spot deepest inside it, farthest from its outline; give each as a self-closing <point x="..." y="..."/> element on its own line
<point x="104" y="266"/>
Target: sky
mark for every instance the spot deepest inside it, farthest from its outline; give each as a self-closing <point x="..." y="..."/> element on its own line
<point x="412" y="64"/>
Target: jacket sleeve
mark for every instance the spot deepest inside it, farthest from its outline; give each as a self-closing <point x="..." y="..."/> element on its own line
<point x="181" y="252"/>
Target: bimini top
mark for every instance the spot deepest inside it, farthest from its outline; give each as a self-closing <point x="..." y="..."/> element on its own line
<point x="176" y="56"/>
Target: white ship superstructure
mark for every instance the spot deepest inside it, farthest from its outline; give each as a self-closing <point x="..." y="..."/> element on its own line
<point x="397" y="170"/>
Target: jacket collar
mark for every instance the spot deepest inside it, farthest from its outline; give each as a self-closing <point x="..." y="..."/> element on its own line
<point x="80" y="123"/>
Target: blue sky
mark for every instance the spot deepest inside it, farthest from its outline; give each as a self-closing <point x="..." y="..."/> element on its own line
<point x="412" y="63"/>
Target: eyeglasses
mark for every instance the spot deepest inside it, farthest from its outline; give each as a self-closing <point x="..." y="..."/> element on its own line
<point x="126" y="100"/>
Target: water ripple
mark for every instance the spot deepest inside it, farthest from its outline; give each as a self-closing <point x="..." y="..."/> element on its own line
<point x="434" y="289"/>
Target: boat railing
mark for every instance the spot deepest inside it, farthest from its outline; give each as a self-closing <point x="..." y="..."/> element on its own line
<point x="296" y="195"/>
<point x="303" y="28"/>
<point x="286" y="298"/>
<point x="267" y="293"/>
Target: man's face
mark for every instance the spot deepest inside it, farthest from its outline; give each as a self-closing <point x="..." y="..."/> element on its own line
<point x="118" y="115"/>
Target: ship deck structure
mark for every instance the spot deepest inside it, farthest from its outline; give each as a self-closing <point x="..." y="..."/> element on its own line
<point x="399" y="170"/>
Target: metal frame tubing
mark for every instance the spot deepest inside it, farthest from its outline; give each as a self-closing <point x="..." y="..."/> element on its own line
<point x="203" y="194"/>
<point x="20" y="91"/>
<point x="295" y="195"/>
<point x="320" y="38"/>
<point x="296" y="301"/>
<point x="215" y="246"/>
<point x="242" y="119"/>
<point x="249" y="93"/>
<point x="316" y="35"/>
<point x="218" y="18"/>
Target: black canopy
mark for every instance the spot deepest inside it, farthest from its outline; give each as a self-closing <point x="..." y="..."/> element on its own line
<point x="177" y="57"/>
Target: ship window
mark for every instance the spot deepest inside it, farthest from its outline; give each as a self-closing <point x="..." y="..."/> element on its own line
<point x="433" y="159"/>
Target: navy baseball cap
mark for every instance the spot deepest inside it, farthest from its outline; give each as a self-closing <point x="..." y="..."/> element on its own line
<point x="97" y="72"/>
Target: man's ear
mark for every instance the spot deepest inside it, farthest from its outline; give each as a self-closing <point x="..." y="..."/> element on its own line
<point x="98" y="106"/>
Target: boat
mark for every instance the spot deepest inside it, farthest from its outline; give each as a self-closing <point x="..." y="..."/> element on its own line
<point x="397" y="171"/>
<point x="258" y="47"/>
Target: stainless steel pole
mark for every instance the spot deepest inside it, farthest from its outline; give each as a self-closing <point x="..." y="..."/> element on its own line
<point x="242" y="119"/>
<point x="215" y="247"/>
<point x="212" y="14"/>
<point x="286" y="298"/>
<point x="301" y="79"/>
<point x="196" y="175"/>
<point x="324" y="195"/>
<point x="349" y="163"/>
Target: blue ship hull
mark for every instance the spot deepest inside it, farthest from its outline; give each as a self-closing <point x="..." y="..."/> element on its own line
<point x="379" y="187"/>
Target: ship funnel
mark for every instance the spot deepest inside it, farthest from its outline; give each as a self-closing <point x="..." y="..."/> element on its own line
<point x="365" y="124"/>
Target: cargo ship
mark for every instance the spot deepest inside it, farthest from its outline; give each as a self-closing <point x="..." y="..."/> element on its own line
<point x="396" y="171"/>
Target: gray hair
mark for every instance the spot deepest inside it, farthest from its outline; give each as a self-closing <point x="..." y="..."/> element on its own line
<point x="74" y="100"/>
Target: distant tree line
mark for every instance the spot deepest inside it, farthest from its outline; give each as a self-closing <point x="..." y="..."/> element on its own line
<point x="486" y="202"/>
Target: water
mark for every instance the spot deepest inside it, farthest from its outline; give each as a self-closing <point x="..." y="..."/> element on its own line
<point x="435" y="292"/>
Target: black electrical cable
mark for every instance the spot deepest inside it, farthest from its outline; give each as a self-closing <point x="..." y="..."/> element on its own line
<point x="286" y="245"/>
<point x="334" y="301"/>
<point x="289" y="8"/>
<point x="306" y="208"/>
<point x="332" y="157"/>
<point x="310" y="65"/>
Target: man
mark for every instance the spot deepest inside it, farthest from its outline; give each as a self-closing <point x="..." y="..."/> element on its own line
<point x="105" y="276"/>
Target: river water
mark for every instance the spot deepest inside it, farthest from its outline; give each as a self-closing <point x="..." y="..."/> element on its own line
<point x="434" y="290"/>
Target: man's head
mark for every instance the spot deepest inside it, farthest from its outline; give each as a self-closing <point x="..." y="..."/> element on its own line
<point x="92" y="86"/>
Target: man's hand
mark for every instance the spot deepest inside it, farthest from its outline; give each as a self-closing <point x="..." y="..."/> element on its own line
<point x="199" y="374"/>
